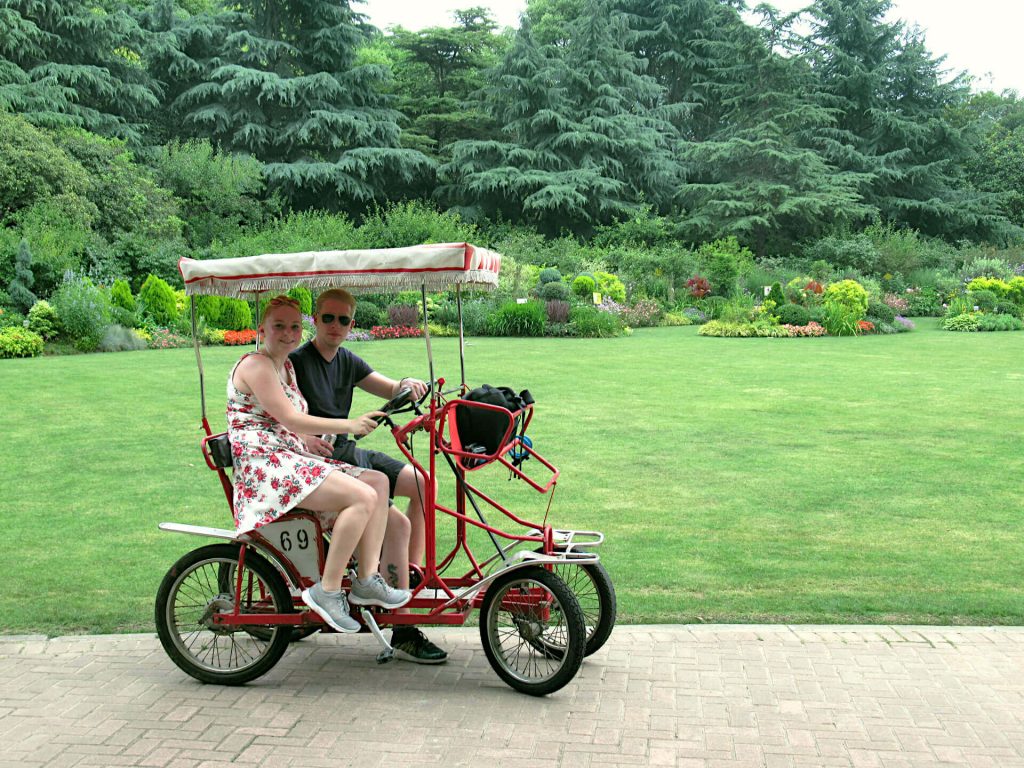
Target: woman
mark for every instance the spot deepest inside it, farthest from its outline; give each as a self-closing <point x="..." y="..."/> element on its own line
<point x="276" y="470"/>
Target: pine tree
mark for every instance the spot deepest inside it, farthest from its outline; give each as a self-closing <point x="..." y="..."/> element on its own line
<point x="66" y="62"/>
<point x="891" y="105"/>
<point x="284" y="86"/>
<point x="20" y="286"/>
<point x="756" y="177"/>
<point x="581" y="147"/>
<point x="438" y="69"/>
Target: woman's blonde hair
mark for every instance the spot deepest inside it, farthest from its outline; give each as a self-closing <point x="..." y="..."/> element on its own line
<point x="338" y="294"/>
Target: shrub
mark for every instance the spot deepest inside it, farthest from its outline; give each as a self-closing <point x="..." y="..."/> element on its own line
<point x="120" y="339"/>
<point x="158" y="301"/>
<point x="369" y="314"/>
<point x="514" y="319"/>
<point x="20" y="342"/>
<point x="584" y="286"/>
<point x="11" y="319"/>
<point x="83" y="311"/>
<point x="986" y="267"/>
<point x="121" y="296"/>
<point x="724" y="261"/>
<point x="213" y="335"/>
<point x="983" y="299"/>
<point x="924" y="302"/>
<point x="999" y="323"/>
<point x="301" y="294"/>
<point x="792" y="314"/>
<point x="20" y="295"/>
<point x="999" y="287"/>
<point x="803" y="290"/>
<point x="696" y="316"/>
<point x="881" y="311"/>
<point x="865" y="326"/>
<point x="475" y="316"/>
<point x="238" y="338"/>
<point x="850" y="294"/>
<point x="210" y="308"/>
<point x="235" y="315"/>
<point x="840" y="320"/>
<point x="609" y="285"/>
<point x="554" y="292"/>
<point x="43" y="319"/>
<point x="403" y="315"/>
<point x="557" y="311"/>
<point x="673" y="319"/>
<point x="968" y="321"/>
<point x="591" y="322"/>
<point x="1015" y="291"/>
<point x="550" y="275"/>
<point x="643" y="314"/>
<point x="1004" y="307"/>
<point x="903" y="324"/>
<point x="775" y="294"/>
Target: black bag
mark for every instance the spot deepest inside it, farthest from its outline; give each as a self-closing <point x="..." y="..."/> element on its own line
<point x="481" y="430"/>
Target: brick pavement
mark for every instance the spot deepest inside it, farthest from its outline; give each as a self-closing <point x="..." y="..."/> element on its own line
<point x="655" y="695"/>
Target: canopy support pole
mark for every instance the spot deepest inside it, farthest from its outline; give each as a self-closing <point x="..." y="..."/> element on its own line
<point x="426" y="337"/>
<point x="462" y="337"/>
<point x="199" y="358"/>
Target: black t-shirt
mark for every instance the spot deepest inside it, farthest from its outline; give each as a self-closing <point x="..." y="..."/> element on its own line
<point x="328" y="386"/>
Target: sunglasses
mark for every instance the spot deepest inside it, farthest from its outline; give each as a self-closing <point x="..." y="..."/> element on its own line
<point x="283" y="301"/>
<point x="326" y="318"/>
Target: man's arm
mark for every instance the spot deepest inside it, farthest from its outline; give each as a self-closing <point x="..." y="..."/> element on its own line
<point x="380" y="385"/>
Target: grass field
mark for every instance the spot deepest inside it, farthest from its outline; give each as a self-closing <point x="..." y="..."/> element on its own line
<point x="846" y="480"/>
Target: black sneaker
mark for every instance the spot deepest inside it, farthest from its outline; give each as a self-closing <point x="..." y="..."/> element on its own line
<point x="412" y="645"/>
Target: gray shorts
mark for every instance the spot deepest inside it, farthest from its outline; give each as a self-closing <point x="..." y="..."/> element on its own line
<point x="346" y="450"/>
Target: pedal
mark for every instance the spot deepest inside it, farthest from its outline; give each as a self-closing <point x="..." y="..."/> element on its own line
<point x="388" y="653"/>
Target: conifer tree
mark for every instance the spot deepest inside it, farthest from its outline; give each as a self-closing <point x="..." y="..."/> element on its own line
<point x="66" y="62"/>
<point x="582" y="147"/>
<point x="887" y="92"/>
<point x="20" y="287"/>
<point x="284" y="86"/>
<point x="756" y="176"/>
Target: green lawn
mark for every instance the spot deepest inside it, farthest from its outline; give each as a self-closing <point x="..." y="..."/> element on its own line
<point x="874" y="479"/>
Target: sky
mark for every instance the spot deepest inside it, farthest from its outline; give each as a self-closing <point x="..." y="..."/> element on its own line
<point x="979" y="36"/>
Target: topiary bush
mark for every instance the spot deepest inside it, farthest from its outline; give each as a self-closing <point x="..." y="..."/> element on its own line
<point x="514" y="319"/>
<point x="792" y="314"/>
<point x="583" y="287"/>
<point x="20" y="342"/>
<point x="550" y="275"/>
<point x="369" y="314"/>
<point x="43" y="319"/>
<point x="158" y="301"/>
<point x="554" y="291"/>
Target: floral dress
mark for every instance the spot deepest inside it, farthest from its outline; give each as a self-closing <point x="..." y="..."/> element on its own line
<point x="273" y="470"/>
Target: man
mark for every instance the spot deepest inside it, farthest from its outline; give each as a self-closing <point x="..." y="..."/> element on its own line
<point x="327" y="375"/>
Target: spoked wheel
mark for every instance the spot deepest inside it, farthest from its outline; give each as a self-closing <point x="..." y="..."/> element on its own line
<point x="593" y="589"/>
<point x="226" y="584"/>
<point x="526" y="613"/>
<point x="189" y="596"/>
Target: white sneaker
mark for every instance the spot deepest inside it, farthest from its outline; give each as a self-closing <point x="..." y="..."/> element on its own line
<point x="374" y="591"/>
<point x="332" y="607"/>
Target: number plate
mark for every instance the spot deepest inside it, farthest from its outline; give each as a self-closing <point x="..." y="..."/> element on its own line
<point x="295" y="538"/>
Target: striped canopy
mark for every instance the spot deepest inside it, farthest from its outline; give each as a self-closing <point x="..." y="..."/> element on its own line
<point x="435" y="266"/>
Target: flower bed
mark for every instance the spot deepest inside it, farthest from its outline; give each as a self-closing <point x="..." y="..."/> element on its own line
<point x="238" y="338"/>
